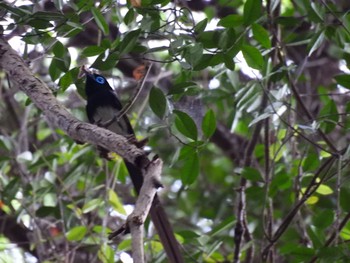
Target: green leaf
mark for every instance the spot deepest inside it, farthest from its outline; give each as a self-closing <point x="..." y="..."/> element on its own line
<point x="49" y="16"/>
<point x="106" y="254"/>
<point x="45" y="211"/>
<point x="311" y="162"/>
<point x="129" y="41"/>
<point x="15" y="10"/>
<point x="247" y="95"/>
<point x="106" y="64"/>
<point x="58" y="49"/>
<point x="333" y="254"/>
<point x="190" y="170"/>
<point x="68" y="78"/>
<point x="100" y="20"/>
<point x="92" y="205"/>
<point x="231" y="21"/>
<point x="315" y="12"/>
<point x="115" y="202"/>
<point x="323" y="219"/>
<point x="316" y="236"/>
<point x="125" y="244"/>
<point x="210" y="39"/>
<point x="201" y="25"/>
<point x="227" y="38"/>
<point x="54" y="71"/>
<point x="40" y="23"/>
<point x="280" y="183"/>
<point x="223" y="226"/>
<point x="61" y="61"/>
<point x="315" y="42"/>
<point x="261" y="35"/>
<point x="329" y="116"/>
<point x="59" y="4"/>
<point x="344" y="198"/>
<point x="209" y="123"/>
<point x="229" y="61"/>
<point x="301" y="253"/>
<point x="76" y="233"/>
<point x="251" y="174"/>
<point x="129" y="16"/>
<point x="253" y="57"/>
<point x="181" y="87"/>
<point x="260" y="117"/>
<point x="324" y="190"/>
<point x="193" y="54"/>
<point x="92" y="51"/>
<point x="343" y="80"/>
<point x="185" y="65"/>
<point x="157" y="102"/>
<point x="345" y="232"/>
<point x="251" y="11"/>
<point x="176" y="46"/>
<point x="10" y="190"/>
<point x="185" y="124"/>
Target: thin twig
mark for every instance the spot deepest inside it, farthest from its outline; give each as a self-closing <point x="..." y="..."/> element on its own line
<point x="334" y="235"/>
<point x="139" y="88"/>
<point x="303" y="106"/>
<point x="316" y="181"/>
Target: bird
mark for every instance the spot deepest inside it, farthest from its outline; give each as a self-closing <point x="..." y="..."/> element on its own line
<point x="103" y="109"/>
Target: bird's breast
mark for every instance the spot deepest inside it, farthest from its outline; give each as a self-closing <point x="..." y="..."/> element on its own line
<point x="108" y="118"/>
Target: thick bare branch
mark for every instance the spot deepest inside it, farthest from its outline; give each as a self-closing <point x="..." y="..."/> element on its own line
<point x="142" y="207"/>
<point x="57" y="114"/>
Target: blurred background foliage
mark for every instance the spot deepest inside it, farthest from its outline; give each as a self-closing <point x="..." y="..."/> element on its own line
<point x="245" y="101"/>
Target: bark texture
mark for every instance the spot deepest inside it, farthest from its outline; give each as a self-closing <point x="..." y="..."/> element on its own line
<point x="21" y="76"/>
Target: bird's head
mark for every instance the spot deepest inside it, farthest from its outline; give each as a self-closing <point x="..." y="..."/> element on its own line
<point x="94" y="81"/>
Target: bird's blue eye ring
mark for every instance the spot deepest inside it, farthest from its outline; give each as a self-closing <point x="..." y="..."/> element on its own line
<point x="100" y="80"/>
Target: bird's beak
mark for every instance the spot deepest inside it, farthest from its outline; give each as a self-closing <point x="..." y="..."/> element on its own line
<point x="86" y="71"/>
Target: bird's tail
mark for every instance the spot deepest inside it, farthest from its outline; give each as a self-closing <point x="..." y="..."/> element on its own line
<point x="159" y="219"/>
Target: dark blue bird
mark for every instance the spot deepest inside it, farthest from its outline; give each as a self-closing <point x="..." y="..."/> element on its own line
<point x="103" y="108"/>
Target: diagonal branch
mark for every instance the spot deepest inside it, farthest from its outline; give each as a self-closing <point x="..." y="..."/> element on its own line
<point x="58" y="115"/>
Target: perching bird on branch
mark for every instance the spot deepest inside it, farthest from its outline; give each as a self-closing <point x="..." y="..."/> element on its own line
<point x="103" y="109"/>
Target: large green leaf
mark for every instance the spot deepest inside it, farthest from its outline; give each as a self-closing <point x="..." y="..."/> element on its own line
<point x="60" y="62"/>
<point x="91" y="51"/>
<point x="329" y="116"/>
<point x="92" y="205"/>
<point x="231" y="21"/>
<point x="252" y="11"/>
<point x="251" y="174"/>
<point x="115" y="202"/>
<point x="185" y="124"/>
<point x="193" y="54"/>
<point x="106" y="64"/>
<point x="76" y="233"/>
<point x="343" y="80"/>
<point x="100" y="20"/>
<point x="190" y="170"/>
<point x="200" y="26"/>
<point x="261" y="35"/>
<point x="209" y="123"/>
<point x="129" y="41"/>
<point x="253" y="56"/>
<point x="316" y="41"/>
<point x="157" y="102"/>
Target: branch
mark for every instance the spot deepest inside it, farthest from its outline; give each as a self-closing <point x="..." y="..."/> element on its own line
<point x="143" y="204"/>
<point x="58" y="115"/>
<point x="334" y="235"/>
<point x="316" y="181"/>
